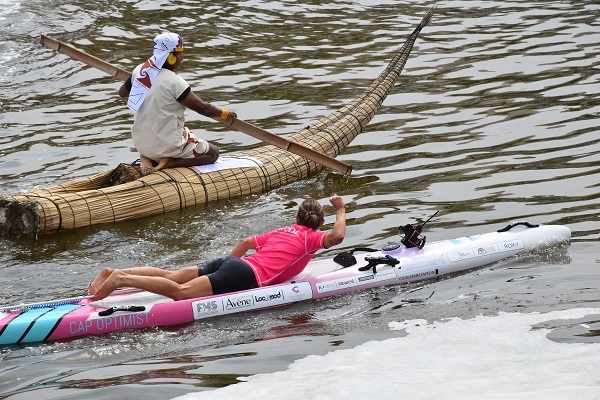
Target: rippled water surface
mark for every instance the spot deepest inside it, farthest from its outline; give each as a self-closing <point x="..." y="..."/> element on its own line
<point x="494" y="119"/>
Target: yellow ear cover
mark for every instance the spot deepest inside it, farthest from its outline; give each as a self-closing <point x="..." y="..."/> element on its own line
<point x="171" y="59"/>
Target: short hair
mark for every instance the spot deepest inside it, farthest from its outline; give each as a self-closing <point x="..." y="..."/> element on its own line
<point x="311" y="214"/>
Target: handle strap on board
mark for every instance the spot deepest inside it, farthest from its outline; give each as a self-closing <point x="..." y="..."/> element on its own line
<point x="346" y="258"/>
<point x="373" y="262"/>
<point x="112" y="310"/>
<point x="513" y="224"/>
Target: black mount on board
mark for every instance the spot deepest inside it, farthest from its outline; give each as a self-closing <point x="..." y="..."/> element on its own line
<point x="412" y="234"/>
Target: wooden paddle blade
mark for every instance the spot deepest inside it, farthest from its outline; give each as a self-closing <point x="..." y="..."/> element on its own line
<point x="84" y="57"/>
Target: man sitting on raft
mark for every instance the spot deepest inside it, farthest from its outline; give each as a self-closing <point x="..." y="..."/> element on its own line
<point x="159" y="98"/>
<point x="280" y="255"/>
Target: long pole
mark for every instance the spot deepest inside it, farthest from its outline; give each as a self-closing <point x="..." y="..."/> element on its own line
<point x="237" y="124"/>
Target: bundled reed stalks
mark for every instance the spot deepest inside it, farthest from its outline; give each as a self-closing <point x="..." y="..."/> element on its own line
<point x="94" y="200"/>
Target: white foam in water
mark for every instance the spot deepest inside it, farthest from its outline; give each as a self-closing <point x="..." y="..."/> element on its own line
<point x="9" y="7"/>
<point x="492" y="358"/>
<point x="7" y="55"/>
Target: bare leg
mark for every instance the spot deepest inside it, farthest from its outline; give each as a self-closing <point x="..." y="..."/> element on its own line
<point x="197" y="287"/>
<point x="102" y="276"/>
<point x="209" y="157"/>
<point x="180" y="276"/>
<point x="164" y="163"/>
<point x="146" y="165"/>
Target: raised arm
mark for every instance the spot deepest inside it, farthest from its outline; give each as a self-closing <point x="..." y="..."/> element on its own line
<point x="338" y="232"/>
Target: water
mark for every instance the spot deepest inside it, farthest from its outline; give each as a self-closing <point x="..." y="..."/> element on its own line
<point x="494" y="119"/>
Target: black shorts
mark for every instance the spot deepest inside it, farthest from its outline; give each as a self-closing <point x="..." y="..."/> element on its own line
<point x="228" y="274"/>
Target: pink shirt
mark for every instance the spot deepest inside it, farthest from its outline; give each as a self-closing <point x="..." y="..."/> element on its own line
<point x="283" y="253"/>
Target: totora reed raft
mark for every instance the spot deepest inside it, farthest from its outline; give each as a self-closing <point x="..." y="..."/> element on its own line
<point x="96" y="200"/>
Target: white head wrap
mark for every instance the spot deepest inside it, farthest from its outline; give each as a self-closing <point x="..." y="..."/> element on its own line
<point x="141" y="82"/>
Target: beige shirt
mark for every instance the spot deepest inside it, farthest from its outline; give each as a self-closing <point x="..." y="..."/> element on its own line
<point x="157" y="130"/>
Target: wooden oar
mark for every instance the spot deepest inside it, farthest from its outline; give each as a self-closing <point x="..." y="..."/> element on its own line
<point x="237" y="124"/>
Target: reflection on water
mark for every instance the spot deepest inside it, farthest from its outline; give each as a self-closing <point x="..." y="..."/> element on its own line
<point x="494" y="119"/>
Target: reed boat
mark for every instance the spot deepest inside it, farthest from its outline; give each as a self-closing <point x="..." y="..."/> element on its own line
<point x="102" y="198"/>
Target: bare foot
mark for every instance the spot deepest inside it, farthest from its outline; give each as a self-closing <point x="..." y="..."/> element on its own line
<point x="109" y="285"/>
<point x="164" y="163"/>
<point x="102" y="276"/>
<point x="146" y="165"/>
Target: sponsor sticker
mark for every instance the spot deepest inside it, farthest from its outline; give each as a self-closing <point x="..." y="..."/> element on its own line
<point x="237" y="302"/>
<point x="419" y="275"/>
<point x="481" y="251"/>
<point x="205" y="308"/>
<point x="340" y="284"/>
<point x="421" y="269"/>
<point x="252" y="300"/>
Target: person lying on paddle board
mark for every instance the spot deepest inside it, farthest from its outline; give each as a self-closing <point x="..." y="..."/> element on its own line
<point x="279" y="255"/>
<point x="159" y="98"/>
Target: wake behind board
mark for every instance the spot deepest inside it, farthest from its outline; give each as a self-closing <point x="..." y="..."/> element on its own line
<point x="367" y="268"/>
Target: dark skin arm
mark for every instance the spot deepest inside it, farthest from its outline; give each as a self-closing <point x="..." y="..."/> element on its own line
<point x="123" y="92"/>
<point x="193" y="102"/>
